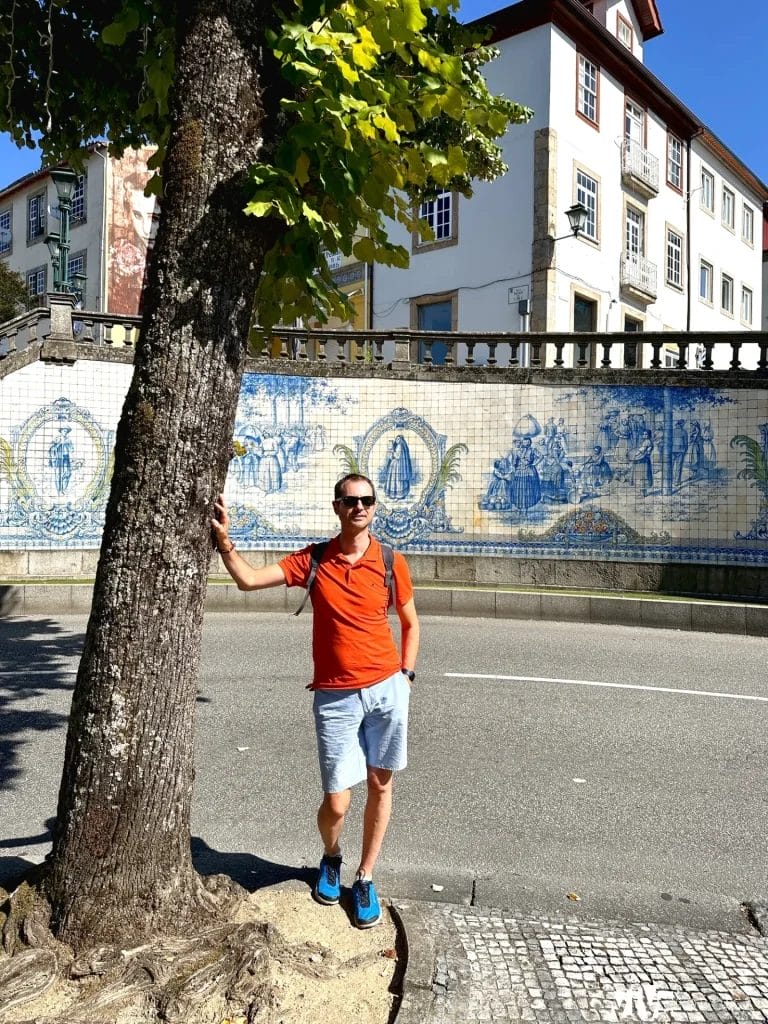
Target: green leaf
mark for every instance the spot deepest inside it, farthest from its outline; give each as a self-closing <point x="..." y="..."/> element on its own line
<point x="364" y="250"/>
<point x="302" y="169"/>
<point x="259" y="208"/>
<point x="414" y="16"/>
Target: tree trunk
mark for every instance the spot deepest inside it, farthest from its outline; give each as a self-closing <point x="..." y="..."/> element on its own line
<point x="120" y="869"/>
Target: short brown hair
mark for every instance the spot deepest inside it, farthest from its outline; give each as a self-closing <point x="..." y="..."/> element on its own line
<point x="338" y="489"/>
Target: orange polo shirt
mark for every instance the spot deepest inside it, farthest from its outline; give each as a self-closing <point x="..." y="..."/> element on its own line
<point x="352" y="643"/>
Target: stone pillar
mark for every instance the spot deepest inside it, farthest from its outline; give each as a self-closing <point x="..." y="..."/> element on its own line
<point x="544" y="295"/>
<point x="59" y="346"/>
<point x="402" y="358"/>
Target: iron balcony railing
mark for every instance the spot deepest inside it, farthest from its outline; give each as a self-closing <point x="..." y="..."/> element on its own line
<point x="640" y="164"/>
<point x="639" y="273"/>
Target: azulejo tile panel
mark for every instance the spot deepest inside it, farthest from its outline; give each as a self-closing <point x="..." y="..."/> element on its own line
<point x="656" y="474"/>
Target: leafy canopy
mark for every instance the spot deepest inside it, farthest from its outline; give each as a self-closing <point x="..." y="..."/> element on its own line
<point x="13" y="293"/>
<point x="385" y="104"/>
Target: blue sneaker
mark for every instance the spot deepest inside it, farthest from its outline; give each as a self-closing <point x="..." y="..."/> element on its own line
<point x="366" y="904"/>
<point x="327" y="888"/>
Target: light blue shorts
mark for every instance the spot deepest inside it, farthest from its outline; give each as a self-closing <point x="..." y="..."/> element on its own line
<point x="357" y="728"/>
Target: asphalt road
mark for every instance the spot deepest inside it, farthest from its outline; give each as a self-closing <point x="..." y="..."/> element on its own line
<point x="626" y="766"/>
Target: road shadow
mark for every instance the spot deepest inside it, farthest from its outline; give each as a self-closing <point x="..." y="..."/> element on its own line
<point x="38" y="662"/>
<point x="246" y="869"/>
<point x="14" y="868"/>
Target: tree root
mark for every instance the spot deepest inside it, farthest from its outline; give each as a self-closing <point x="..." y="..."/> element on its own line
<point x="316" y="961"/>
<point x="225" y="971"/>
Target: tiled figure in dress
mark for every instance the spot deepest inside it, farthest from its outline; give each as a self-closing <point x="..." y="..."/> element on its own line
<point x="497" y="495"/>
<point x="398" y="470"/>
<point x="642" y="465"/>
<point x="524" y="487"/>
<point x="270" y="474"/>
<point x="696" y="451"/>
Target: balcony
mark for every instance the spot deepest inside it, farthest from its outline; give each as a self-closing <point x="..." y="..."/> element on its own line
<point x="639" y="169"/>
<point x="638" y="277"/>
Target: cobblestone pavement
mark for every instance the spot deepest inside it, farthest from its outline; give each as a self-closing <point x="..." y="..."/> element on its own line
<point x="470" y="964"/>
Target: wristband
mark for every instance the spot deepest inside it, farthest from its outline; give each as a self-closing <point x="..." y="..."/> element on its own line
<point x="411" y="675"/>
<point x="228" y="550"/>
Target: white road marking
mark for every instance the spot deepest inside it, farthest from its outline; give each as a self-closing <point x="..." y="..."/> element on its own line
<point x="612" y="686"/>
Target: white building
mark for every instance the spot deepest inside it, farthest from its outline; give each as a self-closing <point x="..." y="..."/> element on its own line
<point x="112" y="225"/>
<point x="673" y="234"/>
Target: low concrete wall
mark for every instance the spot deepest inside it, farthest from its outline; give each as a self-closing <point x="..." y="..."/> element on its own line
<point x="486" y="602"/>
<point x="749" y="583"/>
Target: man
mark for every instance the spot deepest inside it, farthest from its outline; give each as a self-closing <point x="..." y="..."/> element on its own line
<point x="361" y="683"/>
<point x="679" y="450"/>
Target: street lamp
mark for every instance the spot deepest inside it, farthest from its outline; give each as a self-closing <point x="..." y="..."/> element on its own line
<point x="65" y="179"/>
<point x="577" y="216"/>
<point x="53" y="241"/>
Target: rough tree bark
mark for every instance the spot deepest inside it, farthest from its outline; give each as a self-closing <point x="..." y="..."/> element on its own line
<point x="120" y="869"/>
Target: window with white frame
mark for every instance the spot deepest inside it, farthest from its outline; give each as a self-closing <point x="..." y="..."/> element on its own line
<point x="36" y="216"/>
<point x="77" y="265"/>
<point x="77" y="215"/>
<point x="729" y="207"/>
<point x="438" y="213"/>
<point x="675" y="162"/>
<point x="706" y="276"/>
<point x="635" y="234"/>
<point x="634" y="126"/>
<point x="748" y="224"/>
<point x="726" y="293"/>
<point x="707" y="190"/>
<point x="674" y="258"/>
<point x="587" y="195"/>
<point x="746" y="305"/>
<point x="624" y="32"/>
<point x="37" y="281"/>
<point x="6" y="232"/>
<point x="587" y="100"/>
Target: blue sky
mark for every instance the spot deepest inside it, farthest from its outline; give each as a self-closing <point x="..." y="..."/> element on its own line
<point x="712" y="56"/>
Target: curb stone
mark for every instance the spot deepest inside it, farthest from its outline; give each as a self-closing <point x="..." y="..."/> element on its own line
<point x="757" y="912"/>
<point x="436" y="981"/>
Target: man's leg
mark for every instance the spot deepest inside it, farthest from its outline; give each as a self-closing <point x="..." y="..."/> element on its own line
<point x="378" y="810"/>
<point x="330" y="819"/>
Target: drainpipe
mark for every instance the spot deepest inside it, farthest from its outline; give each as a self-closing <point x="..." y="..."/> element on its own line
<point x="688" y="245"/>
<point x="103" y="253"/>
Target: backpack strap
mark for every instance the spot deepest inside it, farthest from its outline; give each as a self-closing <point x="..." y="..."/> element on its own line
<point x="316" y="554"/>
<point x="389" y="576"/>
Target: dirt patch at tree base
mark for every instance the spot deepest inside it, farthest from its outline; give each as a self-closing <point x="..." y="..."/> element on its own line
<point x="313" y="966"/>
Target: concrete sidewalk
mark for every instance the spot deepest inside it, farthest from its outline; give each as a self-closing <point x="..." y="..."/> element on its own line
<point x="470" y="964"/>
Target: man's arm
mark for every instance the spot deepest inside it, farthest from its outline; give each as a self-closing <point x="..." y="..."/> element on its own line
<point x="241" y="571"/>
<point x="409" y="634"/>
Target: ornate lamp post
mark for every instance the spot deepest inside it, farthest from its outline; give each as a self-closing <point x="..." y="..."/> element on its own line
<point x="65" y="180"/>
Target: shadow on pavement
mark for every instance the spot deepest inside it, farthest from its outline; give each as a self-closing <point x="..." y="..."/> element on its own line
<point x="247" y="869"/>
<point x="38" y="660"/>
<point x="13" y="868"/>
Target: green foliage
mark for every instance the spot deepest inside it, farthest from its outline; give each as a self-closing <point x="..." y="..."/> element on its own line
<point x="13" y="293"/>
<point x="383" y="104"/>
<point x="449" y="468"/>
<point x="755" y="463"/>
<point x="389" y="106"/>
<point x="348" y="458"/>
<point x="6" y="461"/>
<point x="86" y="70"/>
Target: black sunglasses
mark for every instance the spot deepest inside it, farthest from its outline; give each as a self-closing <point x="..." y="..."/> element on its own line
<point x="351" y="500"/>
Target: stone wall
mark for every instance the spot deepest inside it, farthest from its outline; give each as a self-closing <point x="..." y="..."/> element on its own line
<point x="596" y="479"/>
